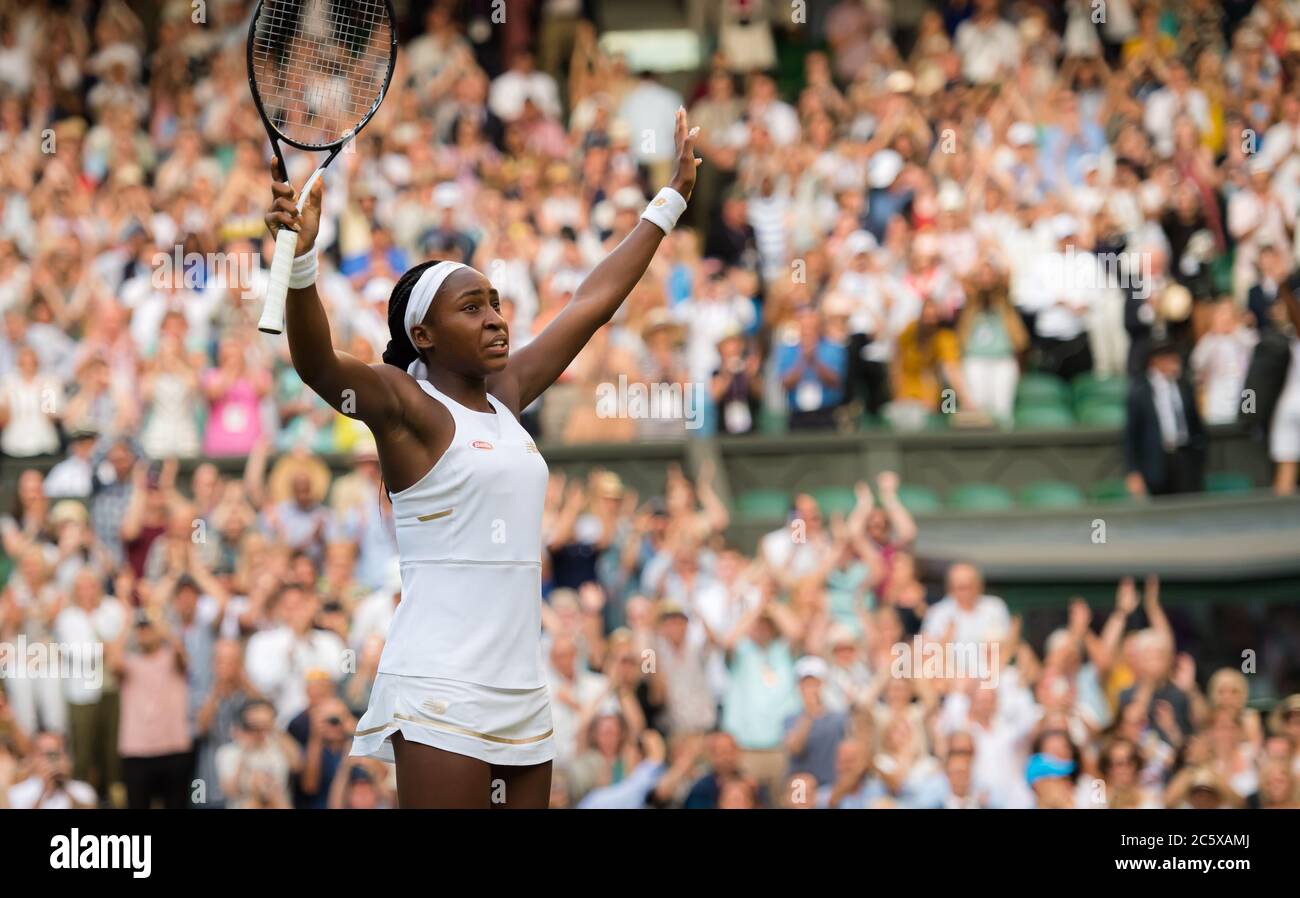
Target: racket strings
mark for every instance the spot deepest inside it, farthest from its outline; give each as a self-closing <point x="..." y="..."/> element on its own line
<point x="320" y="66"/>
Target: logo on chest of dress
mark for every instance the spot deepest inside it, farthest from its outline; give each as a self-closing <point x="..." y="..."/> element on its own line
<point x="481" y="444"/>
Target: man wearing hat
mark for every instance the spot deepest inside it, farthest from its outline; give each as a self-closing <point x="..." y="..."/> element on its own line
<point x="761" y="694"/>
<point x="735" y="387"/>
<point x="1202" y="789"/>
<point x="812" y="735"/>
<point x="1164" y="437"/>
<point x="299" y="518"/>
<point x="681" y="678"/>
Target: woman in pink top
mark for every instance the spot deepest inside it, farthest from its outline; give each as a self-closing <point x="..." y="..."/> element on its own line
<point x="153" y="735"/>
<point x="234" y="395"/>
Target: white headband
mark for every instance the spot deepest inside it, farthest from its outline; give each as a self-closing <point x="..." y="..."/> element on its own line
<point x="422" y="294"/>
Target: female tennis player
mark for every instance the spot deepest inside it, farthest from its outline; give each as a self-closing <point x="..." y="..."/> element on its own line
<point x="460" y="703"/>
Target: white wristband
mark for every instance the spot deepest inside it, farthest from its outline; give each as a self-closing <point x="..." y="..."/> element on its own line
<point x="664" y="210"/>
<point x="303" y="273"/>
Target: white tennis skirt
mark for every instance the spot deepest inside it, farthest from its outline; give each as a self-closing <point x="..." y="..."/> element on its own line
<point x="499" y="726"/>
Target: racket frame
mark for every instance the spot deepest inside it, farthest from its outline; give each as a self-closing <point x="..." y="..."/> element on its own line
<point x="286" y="241"/>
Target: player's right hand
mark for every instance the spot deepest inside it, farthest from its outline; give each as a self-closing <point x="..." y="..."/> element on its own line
<point x="284" y="210"/>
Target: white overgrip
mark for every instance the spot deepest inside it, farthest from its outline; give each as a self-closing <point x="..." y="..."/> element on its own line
<point x="272" y="320"/>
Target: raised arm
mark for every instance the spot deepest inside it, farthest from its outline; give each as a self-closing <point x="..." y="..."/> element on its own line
<point x="537" y="365"/>
<point x="349" y="385"/>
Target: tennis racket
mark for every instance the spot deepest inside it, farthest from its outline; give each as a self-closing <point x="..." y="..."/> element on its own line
<point x="318" y="70"/>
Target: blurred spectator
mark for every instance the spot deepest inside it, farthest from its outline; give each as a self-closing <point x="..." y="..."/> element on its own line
<point x="50" y="786"/>
<point x="280" y="659"/>
<point x="1219" y="364"/>
<point x="894" y="219"/>
<point x="812" y="373"/>
<point x="154" y="739"/>
<point x="256" y="766"/>
<point x="927" y="369"/>
<point x="29" y="405"/>
<point x="93" y="702"/>
<point x="991" y="336"/>
<point x="1164" y="437"/>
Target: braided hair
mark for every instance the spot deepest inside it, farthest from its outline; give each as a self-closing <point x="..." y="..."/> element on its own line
<point x="399" y="352"/>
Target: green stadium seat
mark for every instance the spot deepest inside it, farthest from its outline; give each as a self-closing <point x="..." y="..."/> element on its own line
<point x="919" y="499"/>
<point x="1228" y="482"/>
<point x="868" y="421"/>
<point x="1099" y="413"/>
<point x="1111" y="490"/>
<point x="763" y="505"/>
<point x="1051" y="494"/>
<point x="1036" y="387"/>
<point x="938" y="421"/>
<point x="1089" y="387"/>
<point x="832" y="499"/>
<point x="980" y="497"/>
<point x="772" y="423"/>
<point x="1043" y="417"/>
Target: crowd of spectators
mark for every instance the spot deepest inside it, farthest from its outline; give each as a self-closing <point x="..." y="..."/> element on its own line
<point x="242" y="622"/>
<point x="926" y="208"/>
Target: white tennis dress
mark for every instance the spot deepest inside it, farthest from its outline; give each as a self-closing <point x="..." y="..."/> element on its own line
<point x="462" y="666"/>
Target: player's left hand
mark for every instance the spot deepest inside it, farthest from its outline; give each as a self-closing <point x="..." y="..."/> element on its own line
<point x="684" y="176"/>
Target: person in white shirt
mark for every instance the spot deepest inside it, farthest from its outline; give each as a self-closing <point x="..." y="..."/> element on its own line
<point x="1178" y="97"/>
<point x="1282" y="139"/>
<point x="1256" y="218"/>
<point x="30" y="402"/>
<point x="988" y="45"/>
<point x="574" y="691"/>
<point x="1219" y="363"/>
<point x="999" y="738"/>
<point x="714" y="310"/>
<point x="645" y="110"/>
<point x="521" y="82"/>
<point x="966" y="614"/>
<point x="1284" y="434"/>
<point x="92" y="620"/>
<point x="1061" y="288"/>
<point x="73" y="477"/>
<point x="279" y="659"/>
<point x="51" y="786"/>
<point x="778" y="118"/>
<point x="789" y="559"/>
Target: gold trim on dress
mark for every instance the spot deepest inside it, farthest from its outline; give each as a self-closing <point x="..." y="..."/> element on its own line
<point x="435" y="515"/>
<point x="452" y="728"/>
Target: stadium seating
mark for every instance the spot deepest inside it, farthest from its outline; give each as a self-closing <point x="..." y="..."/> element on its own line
<point x="1110" y="490"/>
<point x="835" y="499"/>
<point x="762" y="504"/>
<point x="1228" y="482"/>
<point x="919" y="499"/>
<point x="1037" y="387"/>
<point x="1051" y="494"/>
<point x="980" y="497"/>
<point x="1089" y="387"/>
<point x="1043" y="417"/>
<point x="1101" y="413"/>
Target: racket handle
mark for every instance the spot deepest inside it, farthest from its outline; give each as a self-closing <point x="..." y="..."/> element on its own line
<point x="272" y="320"/>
